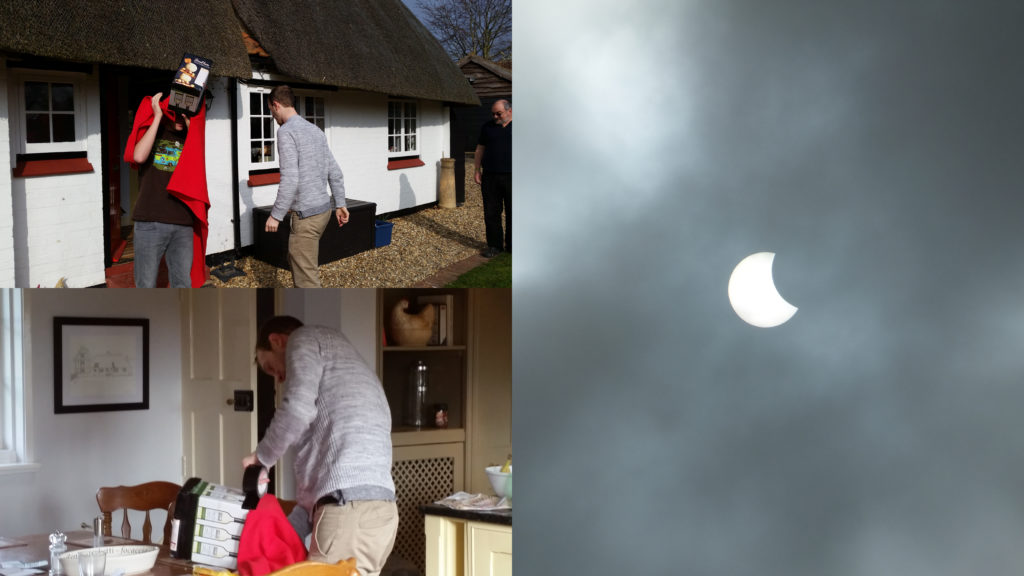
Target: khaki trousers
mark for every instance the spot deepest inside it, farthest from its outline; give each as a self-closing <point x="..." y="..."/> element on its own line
<point x="304" y="248"/>
<point x="364" y="529"/>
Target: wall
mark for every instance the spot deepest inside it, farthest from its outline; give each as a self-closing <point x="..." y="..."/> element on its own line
<point x="78" y="453"/>
<point x="6" y="201"/>
<point x="360" y="144"/>
<point x="221" y="235"/>
<point x="490" y="442"/>
<point x="58" y="219"/>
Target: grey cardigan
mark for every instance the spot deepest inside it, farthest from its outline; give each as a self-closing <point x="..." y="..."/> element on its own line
<point x="307" y="167"/>
<point x="335" y="413"/>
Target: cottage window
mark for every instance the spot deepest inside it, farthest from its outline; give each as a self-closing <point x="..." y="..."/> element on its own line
<point x="262" y="131"/>
<point x="312" y="109"/>
<point x="49" y="116"/>
<point x="12" y="391"/>
<point x="49" y="112"/>
<point x="402" y="129"/>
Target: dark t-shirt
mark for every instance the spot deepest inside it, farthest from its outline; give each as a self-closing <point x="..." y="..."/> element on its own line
<point x="155" y="203"/>
<point x="497" y="143"/>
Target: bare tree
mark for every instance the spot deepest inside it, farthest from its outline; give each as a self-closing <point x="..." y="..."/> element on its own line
<point x="464" y="27"/>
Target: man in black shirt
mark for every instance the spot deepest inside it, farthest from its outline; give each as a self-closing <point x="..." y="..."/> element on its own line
<point x="494" y="156"/>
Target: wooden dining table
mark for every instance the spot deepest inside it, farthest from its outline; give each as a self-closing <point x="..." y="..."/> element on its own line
<point x="36" y="547"/>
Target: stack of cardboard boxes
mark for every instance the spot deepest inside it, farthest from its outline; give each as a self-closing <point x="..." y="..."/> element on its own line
<point x="207" y="524"/>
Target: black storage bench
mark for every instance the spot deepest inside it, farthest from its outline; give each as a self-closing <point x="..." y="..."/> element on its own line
<point x="337" y="242"/>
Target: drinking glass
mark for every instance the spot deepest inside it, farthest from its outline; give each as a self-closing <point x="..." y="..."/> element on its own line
<point x="91" y="562"/>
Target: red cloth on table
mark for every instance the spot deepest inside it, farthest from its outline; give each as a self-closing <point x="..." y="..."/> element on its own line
<point x="268" y="541"/>
<point x="188" y="182"/>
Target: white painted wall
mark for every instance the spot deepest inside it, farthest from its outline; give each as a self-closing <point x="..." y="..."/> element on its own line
<point x="359" y="135"/>
<point x="58" y="220"/>
<point x="221" y="236"/>
<point x="6" y="202"/>
<point x="78" y="453"/>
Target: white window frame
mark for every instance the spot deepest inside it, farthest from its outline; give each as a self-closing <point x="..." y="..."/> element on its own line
<point x="79" y="144"/>
<point x="402" y="133"/>
<point x="312" y="118"/>
<point x="13" y="393"/>
<point x="247" y="114"/>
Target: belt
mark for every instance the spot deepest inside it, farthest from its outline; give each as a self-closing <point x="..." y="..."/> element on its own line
<point x="329" y="499"/>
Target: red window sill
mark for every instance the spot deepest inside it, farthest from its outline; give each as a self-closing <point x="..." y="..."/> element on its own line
<point x="264" y="179"/>
<point x="405" y="163"/>
<point x="26" y="168"/>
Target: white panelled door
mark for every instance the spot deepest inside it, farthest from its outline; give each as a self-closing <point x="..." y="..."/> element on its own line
<point x="218" y="335"/>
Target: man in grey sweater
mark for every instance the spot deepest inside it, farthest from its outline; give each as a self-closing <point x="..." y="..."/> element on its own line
<point x="307" y="167"/>
<point x="335" y="413"/>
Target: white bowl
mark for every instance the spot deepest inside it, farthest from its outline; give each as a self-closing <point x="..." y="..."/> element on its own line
<point x="129" y="559"/>
<point x="500" y="481"/>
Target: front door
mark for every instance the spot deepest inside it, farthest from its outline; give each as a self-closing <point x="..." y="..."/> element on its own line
<point x="218" y="334"/>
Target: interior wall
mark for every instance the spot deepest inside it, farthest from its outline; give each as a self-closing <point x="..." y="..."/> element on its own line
<point x="78" y="453"/>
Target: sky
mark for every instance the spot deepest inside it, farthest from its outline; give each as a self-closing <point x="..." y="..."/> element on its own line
<point x="875" y="148"/>
<point x="413" y="6"/>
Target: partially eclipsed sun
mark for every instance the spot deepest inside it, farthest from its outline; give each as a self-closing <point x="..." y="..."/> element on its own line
<point x="753" y="295"/>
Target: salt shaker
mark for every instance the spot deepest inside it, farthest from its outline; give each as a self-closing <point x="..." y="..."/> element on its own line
<point x="97" y="531"/>
<point x="57" y="547"/>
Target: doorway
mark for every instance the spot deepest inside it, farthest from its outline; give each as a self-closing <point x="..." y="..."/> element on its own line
<point x="121" y="91"/>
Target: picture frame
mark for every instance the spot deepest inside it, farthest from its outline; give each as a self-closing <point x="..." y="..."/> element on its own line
<point x="100" y="364"/>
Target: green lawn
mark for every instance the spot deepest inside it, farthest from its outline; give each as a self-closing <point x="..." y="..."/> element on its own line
<point x="495" y="273"/>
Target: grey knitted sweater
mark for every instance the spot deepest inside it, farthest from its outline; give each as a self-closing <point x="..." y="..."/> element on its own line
<point x="336" y="415"/>
<point x="307" y="166"/>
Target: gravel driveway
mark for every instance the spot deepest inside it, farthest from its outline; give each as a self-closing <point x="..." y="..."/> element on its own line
<point x="422" y="244"/>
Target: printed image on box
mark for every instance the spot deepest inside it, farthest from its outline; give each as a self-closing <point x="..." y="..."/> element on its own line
<point x="207" y="525"/>
<point x="186" y="92"/>
<point x="193" y="72"/>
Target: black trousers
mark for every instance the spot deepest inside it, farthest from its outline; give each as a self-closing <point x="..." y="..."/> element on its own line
<point x="497" y="191"/>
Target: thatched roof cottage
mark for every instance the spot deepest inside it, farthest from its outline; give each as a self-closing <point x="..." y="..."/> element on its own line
<point x="367" y="72"/>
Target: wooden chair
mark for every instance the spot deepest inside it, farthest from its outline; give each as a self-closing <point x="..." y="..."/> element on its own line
<point x="311" y="568"/>
<point x="286" y="505"/>
<point x="158" y="495"/>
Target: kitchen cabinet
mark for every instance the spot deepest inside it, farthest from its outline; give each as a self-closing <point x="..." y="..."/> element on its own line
<point x="467" y="543"/>
<point x="472" y="375"/>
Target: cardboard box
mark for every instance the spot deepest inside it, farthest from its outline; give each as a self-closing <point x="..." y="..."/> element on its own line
<point x="207" y="525"/>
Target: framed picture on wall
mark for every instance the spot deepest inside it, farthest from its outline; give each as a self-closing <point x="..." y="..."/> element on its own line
<point x="100" y="364"/>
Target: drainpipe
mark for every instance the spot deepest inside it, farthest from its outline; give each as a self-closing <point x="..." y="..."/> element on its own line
<point x="235" y="209"/>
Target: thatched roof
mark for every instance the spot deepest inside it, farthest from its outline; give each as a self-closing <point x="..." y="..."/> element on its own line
<point x="374" y="45"/>
<point x="144" y="34"/>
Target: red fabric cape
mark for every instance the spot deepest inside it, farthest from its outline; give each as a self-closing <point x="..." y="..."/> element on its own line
<point x="268" y="541"/>
<point x="188" y="182"/>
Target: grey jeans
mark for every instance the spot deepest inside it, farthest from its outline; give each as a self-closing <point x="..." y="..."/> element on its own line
<point x="156" y="240"/>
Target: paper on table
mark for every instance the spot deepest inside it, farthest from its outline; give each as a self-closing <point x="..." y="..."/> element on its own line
<point x="19" y="568"/>
<point x="19" y="572"/>
<point x="18" y="564"/>
<point x="10" y="543"/>
<point x="467" y="501"/>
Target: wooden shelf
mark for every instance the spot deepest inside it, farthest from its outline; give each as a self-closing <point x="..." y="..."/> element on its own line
<point x="447" y="365"/>
<point x="423" y="349"/>
<point x="407" y="436"/>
